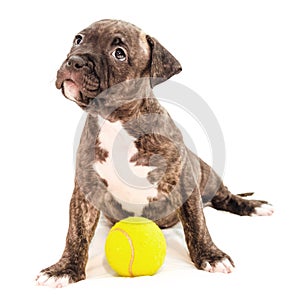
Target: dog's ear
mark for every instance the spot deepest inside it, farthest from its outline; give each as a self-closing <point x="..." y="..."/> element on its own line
<point x="163" y="64"/>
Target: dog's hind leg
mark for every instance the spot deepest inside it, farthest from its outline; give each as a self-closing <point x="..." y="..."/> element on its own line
<point x="217" y="195"/>
<point x="224" y="200"/>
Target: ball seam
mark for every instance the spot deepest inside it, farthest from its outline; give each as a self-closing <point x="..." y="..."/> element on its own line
<point x="131" y="248"/>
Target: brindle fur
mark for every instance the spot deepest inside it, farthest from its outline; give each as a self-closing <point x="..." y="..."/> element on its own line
<point x="185" y="182"/>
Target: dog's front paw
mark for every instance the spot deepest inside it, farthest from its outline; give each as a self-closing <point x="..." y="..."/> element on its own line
<point x="58" y="276"/>
<point x="215" y="261"/>
<point x="221" y="266"/>
<point x="52" y="281"/>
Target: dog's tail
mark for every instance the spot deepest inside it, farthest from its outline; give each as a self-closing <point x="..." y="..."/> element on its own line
<point x="245" y="194"/>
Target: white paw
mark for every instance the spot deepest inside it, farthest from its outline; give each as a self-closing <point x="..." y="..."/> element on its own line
<point x="223" y="266"/>
<point x="52" y="281"/>
<point x="263" y="210"/>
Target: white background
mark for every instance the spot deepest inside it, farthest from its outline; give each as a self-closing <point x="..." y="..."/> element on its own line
<point x="242" y="57"/>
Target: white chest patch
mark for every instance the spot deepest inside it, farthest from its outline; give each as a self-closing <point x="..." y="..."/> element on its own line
<point x="126" y="181"/>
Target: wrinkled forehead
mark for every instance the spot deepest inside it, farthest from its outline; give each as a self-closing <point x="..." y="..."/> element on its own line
<point x="107" y="30"/>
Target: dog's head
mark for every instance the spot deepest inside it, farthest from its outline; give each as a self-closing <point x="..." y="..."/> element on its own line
<point x="110" y="52"/>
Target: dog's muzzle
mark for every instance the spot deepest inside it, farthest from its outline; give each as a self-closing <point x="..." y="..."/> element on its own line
<point x="78" y="80"/>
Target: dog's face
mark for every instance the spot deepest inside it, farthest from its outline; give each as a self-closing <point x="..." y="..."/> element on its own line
<point x="110" y="52"/>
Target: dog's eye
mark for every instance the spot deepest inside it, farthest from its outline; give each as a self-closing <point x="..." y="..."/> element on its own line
<point x="78" y="39"/>
<point x="119" y="54"/>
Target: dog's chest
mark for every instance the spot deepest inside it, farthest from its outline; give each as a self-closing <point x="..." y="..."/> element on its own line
<point x="126" y="181"/>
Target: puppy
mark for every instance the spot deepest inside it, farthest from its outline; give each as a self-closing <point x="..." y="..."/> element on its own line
<point x="132" y="160"/>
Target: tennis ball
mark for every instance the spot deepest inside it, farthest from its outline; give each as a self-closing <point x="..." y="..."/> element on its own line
<point x="135" y="246"/>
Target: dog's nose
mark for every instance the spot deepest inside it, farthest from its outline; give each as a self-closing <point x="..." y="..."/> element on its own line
<point x="75" y="62"/>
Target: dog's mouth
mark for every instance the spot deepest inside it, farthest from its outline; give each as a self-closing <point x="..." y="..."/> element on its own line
<point x="71" y="91"/>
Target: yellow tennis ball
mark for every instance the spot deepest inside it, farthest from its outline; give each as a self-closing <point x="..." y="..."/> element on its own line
<point x="135" y="246"/>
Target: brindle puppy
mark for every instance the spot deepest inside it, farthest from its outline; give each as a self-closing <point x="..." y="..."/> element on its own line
<point x="132" y="159"/>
